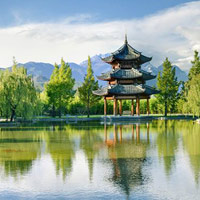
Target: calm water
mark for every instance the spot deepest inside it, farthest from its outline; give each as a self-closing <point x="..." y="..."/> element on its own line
<point x="157" y="160"/>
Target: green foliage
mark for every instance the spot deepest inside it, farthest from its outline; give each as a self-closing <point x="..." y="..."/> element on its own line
<point x="195" y="69"/>
<point x="18" y="96"/>
<point x="153" y="106"/>
<point x="168" y="85"/>
<point x="76" y="107"/>
<point x="193" y="98"/>
<point x="85" y="91"/>
<point x="59" y="90"/>
<point x="190" y="101"/>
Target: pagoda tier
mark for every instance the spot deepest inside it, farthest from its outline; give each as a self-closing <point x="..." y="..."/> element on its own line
<point x="126" y="90"/>
<point x="127" y="53"/>
<point x="126" y="74"/>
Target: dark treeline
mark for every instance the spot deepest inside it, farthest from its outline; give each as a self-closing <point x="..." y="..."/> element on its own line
<point x="20" y="98"/>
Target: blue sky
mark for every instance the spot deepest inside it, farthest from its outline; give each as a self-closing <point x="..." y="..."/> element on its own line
<point x="46" y="30"/>
<point x="25" y="11"/>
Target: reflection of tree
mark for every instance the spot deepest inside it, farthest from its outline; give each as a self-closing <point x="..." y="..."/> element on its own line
<point x="127" y="157"/>
<point x="167" y="143"/>
<point x="90" y="143"/>
<point x="61" y="145"/>
<point x="191" y="143"/>
<point x="15" y="168"/>
<point x="17" y="151"/>
<point x="61" y="148"/>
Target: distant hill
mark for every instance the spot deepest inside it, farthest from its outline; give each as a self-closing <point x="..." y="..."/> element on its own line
<point x="42" y="71"/>
<point x="180" y="74"/>
<point x="46" y="69"/>
<point x="98" y="66"/>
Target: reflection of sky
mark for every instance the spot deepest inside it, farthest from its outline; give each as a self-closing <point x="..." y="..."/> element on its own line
<point x="42" y="181"/>
<point x="45" y="185"/>
<point x="179" y="185"/>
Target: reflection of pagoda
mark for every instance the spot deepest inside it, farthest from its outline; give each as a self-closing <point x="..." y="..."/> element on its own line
<point x="127" y="157"/>
<point x="126" y="80"/>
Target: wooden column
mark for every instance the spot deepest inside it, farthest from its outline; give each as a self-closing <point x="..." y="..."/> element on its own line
<point x="148" y="111"/>
<point x="115" y="107"/>
<point x="105" y="106"/>
<point x="132" y="107"/>
<point x="120" y="107"/>
<point x="138" y="106"/>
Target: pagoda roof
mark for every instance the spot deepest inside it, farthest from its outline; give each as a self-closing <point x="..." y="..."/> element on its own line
<point x="105" y="76"/>
<point x="125" y="90"/>
<point x="126" y="74"/>
<point x="126" y="53"/>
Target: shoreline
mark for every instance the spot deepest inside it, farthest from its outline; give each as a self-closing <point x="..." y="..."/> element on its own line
<point x="105" y="119"/>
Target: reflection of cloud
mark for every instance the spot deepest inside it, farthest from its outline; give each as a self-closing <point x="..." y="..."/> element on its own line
<point x="173" y="33"/>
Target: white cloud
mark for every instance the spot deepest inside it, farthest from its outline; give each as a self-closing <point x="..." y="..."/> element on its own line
<point x="173" y="33"/>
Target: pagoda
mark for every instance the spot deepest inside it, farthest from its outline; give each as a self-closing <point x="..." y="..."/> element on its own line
<point x="126" y="80"/>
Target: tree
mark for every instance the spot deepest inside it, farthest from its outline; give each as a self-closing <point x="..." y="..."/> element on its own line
<point x="195" y="69"/>
<point x="85" y="91"/>
<point x="192" y="88"/>
<point x="50" y="91"/>
<point x="59" y="89"/>
<point x="168" y="85"/>
<point x="189" y="101"/>
<point x="18" y="94"/>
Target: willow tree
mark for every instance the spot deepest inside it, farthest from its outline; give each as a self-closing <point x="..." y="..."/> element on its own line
<point x="85" y="91"/>
<point x="3" y="106"/>
<point x="168" y="85"/>
<point x="193" y="98"/>
<point x="18" y="94"/>
<point x="59" y="89"/>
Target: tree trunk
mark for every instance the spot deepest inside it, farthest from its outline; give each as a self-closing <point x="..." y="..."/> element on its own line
<point x="88" y="111"/>
<point x="60" y="112"/>
<point x="165" y="108"/>
<point x="60" y="107"/>
<point x="53" y="111"/>
<point x="88" y="105"/>
<point x="12" y="115"/>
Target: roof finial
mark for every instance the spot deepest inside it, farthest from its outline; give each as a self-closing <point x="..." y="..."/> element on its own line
<point x="126" y="42"/>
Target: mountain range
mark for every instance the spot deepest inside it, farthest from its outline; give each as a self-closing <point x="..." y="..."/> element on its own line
<point x="41" y="72"/>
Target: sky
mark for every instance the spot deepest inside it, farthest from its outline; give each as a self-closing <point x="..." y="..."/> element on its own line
<point x="46" y="30"/>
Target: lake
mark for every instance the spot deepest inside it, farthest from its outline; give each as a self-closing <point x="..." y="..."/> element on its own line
<point x="151" y="160"/>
